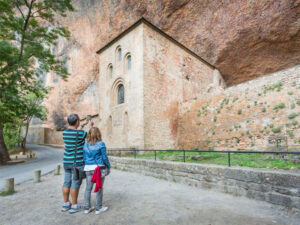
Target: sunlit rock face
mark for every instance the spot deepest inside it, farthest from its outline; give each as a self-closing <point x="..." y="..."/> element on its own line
<point x="243" y="39"/>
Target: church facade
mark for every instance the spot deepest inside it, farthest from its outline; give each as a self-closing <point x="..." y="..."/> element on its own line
<point x="144" y="78"/>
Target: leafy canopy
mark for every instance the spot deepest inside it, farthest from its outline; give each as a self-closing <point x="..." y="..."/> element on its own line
<point x="28" y="32"/>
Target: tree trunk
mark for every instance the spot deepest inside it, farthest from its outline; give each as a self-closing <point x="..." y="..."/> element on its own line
<point x="26" y="134"/>
<point x="25" y="137"/>
<point x="4" y="156"/>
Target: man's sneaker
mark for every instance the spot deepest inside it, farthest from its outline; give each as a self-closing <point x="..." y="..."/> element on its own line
<point x="75" y="209"/>
<point x="103" y="209"/>
<point x="66" y="207"/>
<point x="86" y="211"/>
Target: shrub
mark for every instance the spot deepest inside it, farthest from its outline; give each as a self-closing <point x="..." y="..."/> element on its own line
<point x="298" y="102"/>
<point x="277" y="130"/>
<point x="290" y="133"/>
<point x="198" y="123"/>
<point x="295" y="122"/>
<point x="279" y="106"/>
<point x="263" y="110"/>
<point x="292" y="116"/>
<point x="239" y="111"/>
<point x="290" y="93"/>
<point x="248" y="106"/>
<point x="215" y="119"/>
<point x="218" y="110"/>
<point x="293" y="106"/>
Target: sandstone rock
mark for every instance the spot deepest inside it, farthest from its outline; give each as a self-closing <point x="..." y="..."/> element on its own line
<point x="243" y="39"/>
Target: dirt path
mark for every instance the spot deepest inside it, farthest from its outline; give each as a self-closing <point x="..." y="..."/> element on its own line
<point x="137" y="199"/>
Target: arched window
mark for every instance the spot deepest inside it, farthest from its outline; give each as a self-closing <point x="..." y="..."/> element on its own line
<point x="119" y="51"/>
<point x="121" y="96"/>
<point x="128" y="58"/>
<point x="110" y="70"/>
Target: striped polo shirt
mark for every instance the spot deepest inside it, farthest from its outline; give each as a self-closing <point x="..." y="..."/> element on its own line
<point x="69" y="137"/>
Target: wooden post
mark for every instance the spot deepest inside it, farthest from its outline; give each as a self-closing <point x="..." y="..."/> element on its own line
<point x="9" y="185"/>
<point x="37" y="176"/>
<point x="57" y="171"/>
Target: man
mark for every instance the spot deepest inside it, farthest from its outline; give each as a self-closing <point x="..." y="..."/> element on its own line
<point x="70" y="185"/>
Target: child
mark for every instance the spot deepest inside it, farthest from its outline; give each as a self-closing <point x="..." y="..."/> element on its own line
<point x="94" y="152"/>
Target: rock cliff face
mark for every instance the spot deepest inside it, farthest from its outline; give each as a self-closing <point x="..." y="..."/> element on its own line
<point x="244" y="39"/>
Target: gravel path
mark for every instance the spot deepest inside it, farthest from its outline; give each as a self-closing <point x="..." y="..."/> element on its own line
<point x="137" y="199"/>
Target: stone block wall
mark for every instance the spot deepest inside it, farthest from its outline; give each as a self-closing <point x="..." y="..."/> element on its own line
<point x="250" y="115"/>
<point x="276" y="187"/>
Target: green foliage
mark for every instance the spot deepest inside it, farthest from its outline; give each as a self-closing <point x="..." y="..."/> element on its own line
<point x="248" y="106"/>
<point x="293" y="106"/>
<point x="218" y="111"/>
<point x="295" y="122"/>
<point x="273" y="87"/>
<point x="276" y="130"/>
<point x="292" y="116"/>
<point x="215" y="119"/>
<point x="27" y="37"/>
<point x="263" y="110"/>
<point x="290" y="93"/>
<point x="198" y="123"/>
<point x="239" y="111"/>
<point x="298" y="102"/>
<point x="290" y="133"/>
<point x="279" y="106"/>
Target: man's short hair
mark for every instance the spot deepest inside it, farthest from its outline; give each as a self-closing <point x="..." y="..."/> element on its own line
<point x="72" y="119"/>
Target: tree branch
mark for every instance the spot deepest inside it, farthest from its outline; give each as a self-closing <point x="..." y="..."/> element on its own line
<point x="17" y="4"/>
<point x="25" y="27"/>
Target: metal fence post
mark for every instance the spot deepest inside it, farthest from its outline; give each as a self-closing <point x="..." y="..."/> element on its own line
<point x="155" y="154"/>
<point x="183" y="155"/>
<point x="228" y="159"/>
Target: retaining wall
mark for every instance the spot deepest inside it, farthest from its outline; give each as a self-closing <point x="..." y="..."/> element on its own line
<point x="276" y="187"/>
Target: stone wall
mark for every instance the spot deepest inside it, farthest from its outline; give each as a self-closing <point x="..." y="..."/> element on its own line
<point x="246" y="116"/>
<point x="171" y="75"/>
<point x="276" y="187"/>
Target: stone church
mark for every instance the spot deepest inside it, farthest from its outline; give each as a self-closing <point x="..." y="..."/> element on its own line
<point x="145" y="75"/>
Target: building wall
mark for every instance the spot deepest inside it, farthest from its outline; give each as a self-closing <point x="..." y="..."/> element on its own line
<point x="122" y="125"/>
<point x="171" y="76"/>
<point x="245" y="116"/>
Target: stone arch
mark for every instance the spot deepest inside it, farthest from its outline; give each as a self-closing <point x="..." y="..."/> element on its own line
<point x="115" y="91"/>
<point x="110" y="71"/>
<point x="127" y="62"/>
<point x="118" y="54"/>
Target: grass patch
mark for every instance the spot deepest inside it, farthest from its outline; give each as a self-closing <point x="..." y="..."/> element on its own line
<point x="6" y="193"/>
<point x="253" y="160"/>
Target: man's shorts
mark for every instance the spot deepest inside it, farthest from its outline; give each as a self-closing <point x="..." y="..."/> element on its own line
<point x="69" y="182"/>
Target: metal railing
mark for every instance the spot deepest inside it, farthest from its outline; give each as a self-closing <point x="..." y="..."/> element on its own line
<point x="118" y="152"/>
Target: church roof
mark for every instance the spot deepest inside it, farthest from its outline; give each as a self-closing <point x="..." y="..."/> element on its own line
<point x="144" y="21"/>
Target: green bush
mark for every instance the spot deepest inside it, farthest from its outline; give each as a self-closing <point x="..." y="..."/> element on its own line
<point x="263" y="110"/>
<point x="215" y="119"/>
<point x="277" y="130"/>
<point x="239" y="111"/>
<point x="292" y="116"/>
<point x="290" y="133"/>
<point x="279" y="106"/>
<point x="293" y="106"/>
<point x="295" y="122"/>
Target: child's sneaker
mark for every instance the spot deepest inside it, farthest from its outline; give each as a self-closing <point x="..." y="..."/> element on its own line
<point x="66" y="207"/>
<point x="103" y="209"/>
<point x="86" y="211"/>
<point x="75" y="209"/>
